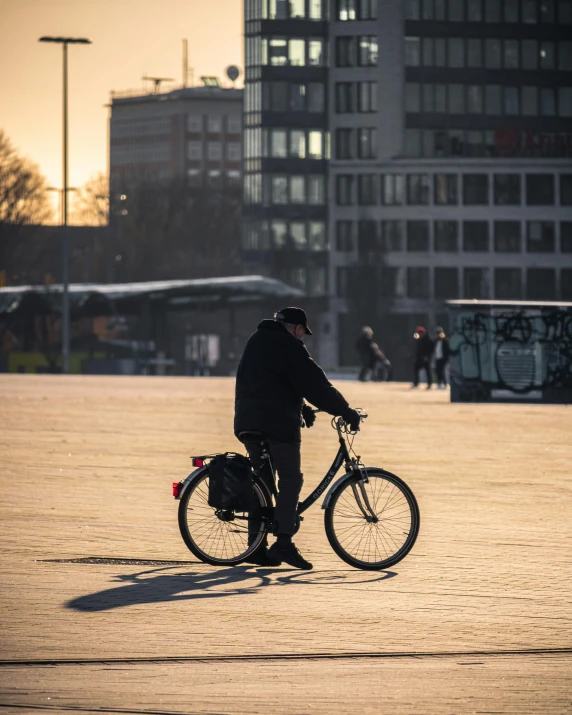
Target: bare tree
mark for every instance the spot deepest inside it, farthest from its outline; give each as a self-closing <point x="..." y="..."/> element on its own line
<point x="91" y="202"/>
<point x="23" y="190"/>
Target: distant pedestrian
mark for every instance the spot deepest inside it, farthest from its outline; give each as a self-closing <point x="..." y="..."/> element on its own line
<point x="380" y="364"/>
<point x="423" y="353"/>
<point x="371" y="357"/>
<point x="441" y="354"/>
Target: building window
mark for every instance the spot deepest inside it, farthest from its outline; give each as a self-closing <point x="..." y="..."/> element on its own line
<point x="366" y="143"/>
<point x="476" y="281"/>
<point x="475" y="236"/>
<point x="456" y="52"/>
<point x="565" y="101"/>
<point x="214" y="124"/>
<point x="528" y="9"/>
<point x="234" y="124"/>
<point x="194" y="151"/>
<point x="412" y="9"/>
<point x="456" y="10"/>
<point x="566" y="189"/>
<point x="275" y="96"/>
<point x="316" y="190"/>
<point x="196" y="178"/>
<point x="418" y="189"/>
<point x="474" y="53"/>
<point x="344" y="97"/>
<point x="315" y="144"/>
<point x="214" y="151"/>
<point x="297" y="238"/>
<point x="506" y="189"/>
<point x="510" y="10"/>
<point x="367" y="96"/>
<point x="493" y="99"/>
<point x="529" y="101"/>
<point x="412" y="51"/>
<point x="367" y="189"/>
<point x="195" y="123"/>
<point x="507" y="237"/>
<point x="392" y="189"/>
<point x="492" y="54"/>
<point x="297" y="190"/>
<point x="345" y="51"/>
<point x="316" y="52"/>
<point x="456" y="99"/>
<point x="346" y="10"/>
<point x="508" y="284"/>
<point x="474" y="10"/>
<point x="566" y="236"/>
<point x="233" y="177"/>
<point x="565" y="12"/>
<point x="297" y="144"/>
<point x="344" y="236"/>
<point x="418" y="282"/>
<point x="367" y="9"/>
<point x="297" y="97"/>
<point x="540" y="236"/>
<point x="511" y="103"/>
<point x="565" y="55"/>
<point x="547" y="101"/>
<point x="278" y="143"/>
<point x="445" y="189"/>
<point x="510" y="54"/>
<point x="474" y="99"/>
<point x="296" y="53"/>
<point x="547" y="56"/>
<point x="344" y="190"/>
<point x="315" y="96"/>
<point x="297" y="9"/>
<point x="214" y="178"/>
<point x="279" y="190"/>
<point x="412" y="97"/>
<point x="367" y="237"/>
<point x="367" y="56"/>
<point x="417" y="236"/>
<point x="412" y="143"/>
<point x="393" y="235"/>
<point x="530" y="54"/>
<point x="344" y="143"/>
<point x="233" y="151"/>
<point x="393" y="282"/>
<point x="541" y="284"/>
<point x="492" y="11"/>
<point x="446" y="282"/>
<point x="540" y="189"/>
<point x="566" y="284"/>
<point x="446" y="236"/>
<point x="475" y="189"/>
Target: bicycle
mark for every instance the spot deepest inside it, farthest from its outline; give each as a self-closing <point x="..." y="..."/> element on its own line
<point x="371" y="516"/>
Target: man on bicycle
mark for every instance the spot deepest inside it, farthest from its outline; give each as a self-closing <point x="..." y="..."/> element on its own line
<point x="274" y="376"/>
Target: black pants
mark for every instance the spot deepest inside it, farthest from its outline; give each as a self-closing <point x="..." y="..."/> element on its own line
<point x="286" y="460"/>
<point x="423" y="364"/>
<point x="440" y="366"/>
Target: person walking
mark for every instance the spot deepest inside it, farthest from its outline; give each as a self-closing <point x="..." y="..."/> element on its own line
<point x="370" y="354"/>
<point x="275" y="375"/>
<point x="423" y="353"/>
<point x="441" y="353"/>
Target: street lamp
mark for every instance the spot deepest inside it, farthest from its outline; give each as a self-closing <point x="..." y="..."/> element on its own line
<point x="64" y="42"/>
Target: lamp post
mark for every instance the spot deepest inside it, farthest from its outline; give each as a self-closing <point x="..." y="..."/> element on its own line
<point x="65" y="329"/>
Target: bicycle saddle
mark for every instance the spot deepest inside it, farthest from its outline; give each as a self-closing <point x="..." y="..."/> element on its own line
<point x="251" y="436"/>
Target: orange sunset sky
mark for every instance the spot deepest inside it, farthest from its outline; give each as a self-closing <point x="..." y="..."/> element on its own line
<point x="131" y="38"/>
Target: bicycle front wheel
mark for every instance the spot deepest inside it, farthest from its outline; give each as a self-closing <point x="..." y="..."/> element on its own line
<point x="372" y="522"/>
<point x="221" y="538"/>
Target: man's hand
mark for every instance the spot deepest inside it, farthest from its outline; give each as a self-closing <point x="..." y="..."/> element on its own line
<point x="353" y="418"/>
<point x="308" y="415"/>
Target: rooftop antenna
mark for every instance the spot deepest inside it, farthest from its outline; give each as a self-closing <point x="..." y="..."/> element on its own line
<point x="157" y="81"/>
<point x="185" y="63"/>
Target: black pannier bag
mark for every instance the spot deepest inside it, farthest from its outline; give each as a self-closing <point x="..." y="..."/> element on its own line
<point x="230" y="482"/>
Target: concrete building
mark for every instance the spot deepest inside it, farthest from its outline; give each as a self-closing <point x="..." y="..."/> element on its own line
<point x="451" y="172"/>
<point x="189" y="131"/>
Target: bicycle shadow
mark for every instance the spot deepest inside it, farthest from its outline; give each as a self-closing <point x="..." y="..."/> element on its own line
<point x="147" y="587"/>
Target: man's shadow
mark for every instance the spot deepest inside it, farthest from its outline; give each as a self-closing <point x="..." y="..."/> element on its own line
<point x="155" y="587"/>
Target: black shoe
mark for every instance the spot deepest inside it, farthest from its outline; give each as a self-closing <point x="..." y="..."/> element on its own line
<point x="261" y="558"/>
<point x="289" y="555"/>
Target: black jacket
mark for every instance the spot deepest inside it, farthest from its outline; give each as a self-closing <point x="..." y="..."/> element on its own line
<point x="275" y="374"/>
<point x="424" y="348"/>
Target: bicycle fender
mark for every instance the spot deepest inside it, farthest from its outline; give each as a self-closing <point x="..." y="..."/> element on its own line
<point x="332" y="489"/>
<point x="193" y="476"/>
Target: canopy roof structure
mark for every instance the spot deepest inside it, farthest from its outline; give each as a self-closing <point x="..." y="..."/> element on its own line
<point x="91" y="299"/>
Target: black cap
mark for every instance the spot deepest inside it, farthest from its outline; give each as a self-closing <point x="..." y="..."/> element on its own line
<point x="295" y="316"/>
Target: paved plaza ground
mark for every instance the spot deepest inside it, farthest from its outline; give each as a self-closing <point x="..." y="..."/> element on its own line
<point x="103" y="609"/>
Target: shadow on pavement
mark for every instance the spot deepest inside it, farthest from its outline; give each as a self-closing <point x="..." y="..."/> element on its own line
<point x="148" y="587"/>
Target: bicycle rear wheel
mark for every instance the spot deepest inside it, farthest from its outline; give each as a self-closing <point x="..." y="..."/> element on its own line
<point x="221" y="538"/>
<point x="378" y="540"/>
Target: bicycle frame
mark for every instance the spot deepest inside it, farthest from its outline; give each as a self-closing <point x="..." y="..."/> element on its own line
<point x="343" y="456"/>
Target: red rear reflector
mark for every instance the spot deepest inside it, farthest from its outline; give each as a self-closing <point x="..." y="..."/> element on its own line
<point x="177" y="489"/>
<point x="196" y="462"/>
